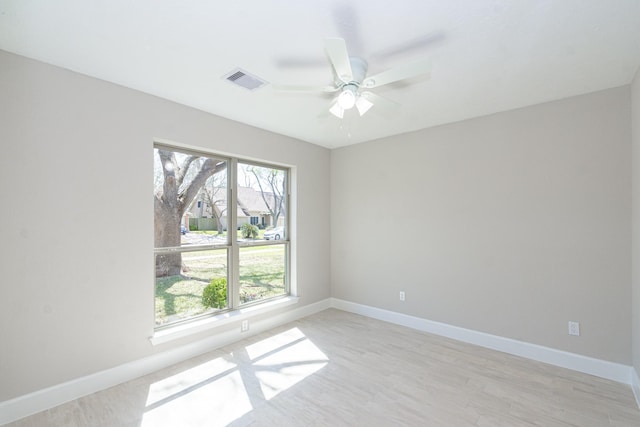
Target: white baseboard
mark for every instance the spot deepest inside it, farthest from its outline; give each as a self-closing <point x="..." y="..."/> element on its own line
<point x="600" y="368"/>
<point x="635" y="385"/>
<point x="32" y="403"/>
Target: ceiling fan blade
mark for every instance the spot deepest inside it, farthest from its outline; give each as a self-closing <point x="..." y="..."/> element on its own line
<point x="312" y="89"/>
<point x="419" y="43"/>
<point x="339" y="56"/>
<point x="347" y="23"/>
<point x="393" y="75"/>
<point x="380" y="102"/>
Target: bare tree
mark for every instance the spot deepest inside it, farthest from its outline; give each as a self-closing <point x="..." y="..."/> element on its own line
<point x="174" y="193"/>
<point x="214" y="193"/>
<point x="273" y="180"/>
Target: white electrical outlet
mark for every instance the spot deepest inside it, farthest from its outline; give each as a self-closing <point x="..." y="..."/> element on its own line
<point x="244" y="327"/>
<point x="574" y="328"/>
<point x="401" y="295"/>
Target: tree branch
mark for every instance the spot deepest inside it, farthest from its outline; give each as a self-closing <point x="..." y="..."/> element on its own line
<point x="209" y="168"/>
<point x="271" y="211"/>
<point x="182" y="170"/>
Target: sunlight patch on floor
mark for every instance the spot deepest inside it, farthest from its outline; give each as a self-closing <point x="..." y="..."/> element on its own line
<point x="274" y="343"/>
<point x="183" y="381"/>
<point x="224" y="389"/>
<point x="218" y="402"/>
<point x="292" y="362"/>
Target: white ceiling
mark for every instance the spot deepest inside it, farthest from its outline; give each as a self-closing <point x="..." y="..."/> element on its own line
<point x="487" y="55"/>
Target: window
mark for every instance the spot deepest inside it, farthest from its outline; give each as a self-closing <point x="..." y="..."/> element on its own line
<point x="223" y="262"/>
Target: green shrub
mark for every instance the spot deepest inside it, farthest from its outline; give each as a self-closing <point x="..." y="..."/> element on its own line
<point x="249" y="231"/>
<point x="215" y="294"/>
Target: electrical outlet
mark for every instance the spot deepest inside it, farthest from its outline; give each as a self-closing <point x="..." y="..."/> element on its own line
<point x="244" y="327"/>
<point x="401" y="295"/>
<point x="574" y="328"/>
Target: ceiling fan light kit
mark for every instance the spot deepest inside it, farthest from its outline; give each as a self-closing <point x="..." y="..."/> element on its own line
<point x="347" y="98"/>
<point x="363" y="104"/>
<point x="337" y="110"/>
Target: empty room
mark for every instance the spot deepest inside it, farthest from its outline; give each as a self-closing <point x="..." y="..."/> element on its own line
<point x="328" y="213"/>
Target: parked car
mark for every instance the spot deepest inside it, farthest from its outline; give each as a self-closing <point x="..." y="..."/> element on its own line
<point x="275" y="234"/>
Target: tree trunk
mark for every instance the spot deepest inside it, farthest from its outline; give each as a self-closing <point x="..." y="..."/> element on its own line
<point x="167" y="234"/>
<point x="219" y="226"/>
<point x="171" y="203"/>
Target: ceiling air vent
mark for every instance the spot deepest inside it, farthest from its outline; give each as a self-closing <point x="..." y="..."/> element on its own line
<point x="244" y="79"/>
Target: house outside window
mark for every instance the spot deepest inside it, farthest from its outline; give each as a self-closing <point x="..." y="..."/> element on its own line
<point x="226" y="267"/>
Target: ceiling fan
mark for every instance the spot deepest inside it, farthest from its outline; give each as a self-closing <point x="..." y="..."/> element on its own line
<point x="352" y="84"/>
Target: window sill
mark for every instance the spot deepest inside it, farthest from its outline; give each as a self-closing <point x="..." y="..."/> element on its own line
<point x="186" y="329"/>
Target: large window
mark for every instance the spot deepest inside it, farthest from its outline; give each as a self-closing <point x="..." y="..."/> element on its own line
<point x="221" y="234"/>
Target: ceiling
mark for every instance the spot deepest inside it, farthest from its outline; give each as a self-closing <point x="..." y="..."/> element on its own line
<point x="487" y="55"/>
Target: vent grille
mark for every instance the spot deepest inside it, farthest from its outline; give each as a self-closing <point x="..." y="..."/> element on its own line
<point x="244" y="79"/>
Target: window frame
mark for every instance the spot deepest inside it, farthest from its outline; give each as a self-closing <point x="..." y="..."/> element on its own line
<point x="232" y="246"/>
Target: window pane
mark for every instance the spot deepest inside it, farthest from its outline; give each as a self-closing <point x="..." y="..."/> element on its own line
<point x="262" y="204"/>
<point x="180" y="295"/>
<point x="262" y="272"/>
<point x="190" y="206"/>
<point x="192" y="245"/>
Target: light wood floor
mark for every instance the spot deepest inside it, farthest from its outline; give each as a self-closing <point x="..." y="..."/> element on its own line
<point x="340" y="369"/>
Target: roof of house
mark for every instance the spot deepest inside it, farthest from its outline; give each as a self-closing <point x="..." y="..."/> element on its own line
<point x="250" y="201"/>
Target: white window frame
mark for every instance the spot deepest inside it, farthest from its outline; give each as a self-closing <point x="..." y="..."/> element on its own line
<point x="235" y="310"/>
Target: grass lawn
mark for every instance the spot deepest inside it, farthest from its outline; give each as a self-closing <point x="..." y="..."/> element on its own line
<point x="261" y="276"/>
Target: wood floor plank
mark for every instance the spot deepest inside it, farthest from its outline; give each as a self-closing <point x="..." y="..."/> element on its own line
<point x="340" y="369"/>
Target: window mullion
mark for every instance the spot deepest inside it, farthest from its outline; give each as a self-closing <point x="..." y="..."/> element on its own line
<point x="232" y="233"/>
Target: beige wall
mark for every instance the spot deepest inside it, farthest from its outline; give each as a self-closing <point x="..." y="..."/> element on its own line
<point x="77" y="293"/>
<point x="635" y="121"/>
<point x="522" y="222"/>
